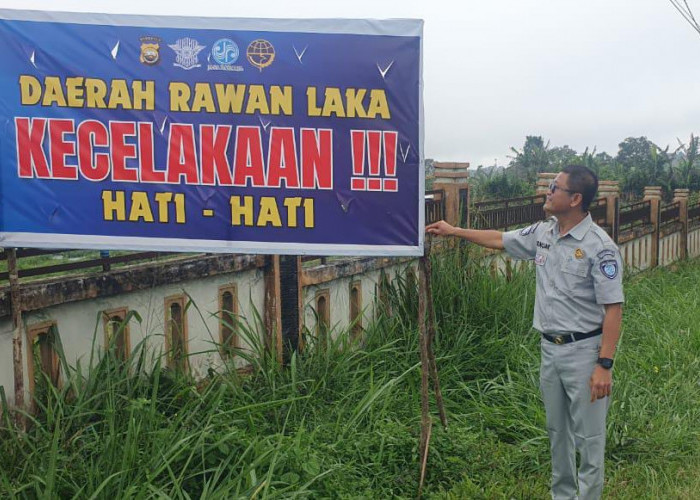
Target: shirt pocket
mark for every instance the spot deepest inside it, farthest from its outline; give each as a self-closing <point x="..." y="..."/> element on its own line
<point x="576" y="268"/>
<point x="574" y="278"/>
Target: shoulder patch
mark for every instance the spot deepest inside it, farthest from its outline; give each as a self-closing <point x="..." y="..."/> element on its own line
<point x="607" y="252"/>
<point x="529" y="229"/>
<point x="609" y="268"/>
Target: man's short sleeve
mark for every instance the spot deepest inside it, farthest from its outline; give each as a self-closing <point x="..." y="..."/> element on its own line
<point x="522" y="243"/>
<point x="607" y="276"/>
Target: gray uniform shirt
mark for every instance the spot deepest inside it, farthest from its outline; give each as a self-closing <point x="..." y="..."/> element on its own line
<point x="577" y="274"/>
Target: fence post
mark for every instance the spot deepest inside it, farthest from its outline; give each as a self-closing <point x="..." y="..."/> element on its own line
<point x="272" y="315"/>
<point x="681" y="196"/>
<point x="610" y="190"/>
<point x="653" y="195"/>
<point x="290" y="305"/>
<point x="543" y="181"/>
<point x="451" y="178"/>
<point x="106" y="264"/>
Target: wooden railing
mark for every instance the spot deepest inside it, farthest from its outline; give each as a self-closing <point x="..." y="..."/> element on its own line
<point x="599" y="211"/>
<point x="31" y="263"/>
<point x="496" y="214"/>
<point x="669" y="217"/>
<point x="504" y="214"/>
<point x="434" y="205"/>
<point x="634" y="216"/>
<point x="694" y="214"/>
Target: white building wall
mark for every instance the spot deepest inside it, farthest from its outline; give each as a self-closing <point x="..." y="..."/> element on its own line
<point x="7" y="380"/>
<point x="694" y="243"/>
<point x="636" y="254"/>
<point x="79" y="322"/>
<point x="339" y="292"/>
<point x="668" y="249"/>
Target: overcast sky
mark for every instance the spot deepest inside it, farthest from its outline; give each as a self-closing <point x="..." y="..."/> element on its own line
<point x="579" y="73"/>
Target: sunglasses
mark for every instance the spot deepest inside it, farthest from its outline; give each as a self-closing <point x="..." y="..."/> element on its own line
<point x="553" y="188"/>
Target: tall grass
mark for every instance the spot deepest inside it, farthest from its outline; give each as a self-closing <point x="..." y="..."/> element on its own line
<point x="342" y="419"/>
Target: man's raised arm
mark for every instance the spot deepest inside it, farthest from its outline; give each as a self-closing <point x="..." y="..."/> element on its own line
<point x="488" y="238"/>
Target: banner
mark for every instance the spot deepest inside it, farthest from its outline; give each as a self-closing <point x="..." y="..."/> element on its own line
<point x="210" y="134"/>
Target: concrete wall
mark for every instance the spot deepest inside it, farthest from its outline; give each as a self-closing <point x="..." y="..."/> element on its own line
<point x="339" y="292"/>
<point x="636" y="253"/>
<point x="669" y="248"/>
<point x="79" y="321"/>
<point x="694" y="242"/>
<point x="6" y="367"/>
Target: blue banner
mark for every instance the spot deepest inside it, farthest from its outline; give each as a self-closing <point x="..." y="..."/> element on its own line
<point x="209" y="134"/>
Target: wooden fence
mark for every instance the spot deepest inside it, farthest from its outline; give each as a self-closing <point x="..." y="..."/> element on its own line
<point x="507" y="214"/>
<point x="37" y="262"/>
<point x="630" y="221"/>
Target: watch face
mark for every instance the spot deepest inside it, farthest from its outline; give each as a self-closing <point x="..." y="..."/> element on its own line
<point x="605" y="363"/>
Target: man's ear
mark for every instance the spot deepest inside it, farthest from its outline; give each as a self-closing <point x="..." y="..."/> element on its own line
<point x="576" y="200"/>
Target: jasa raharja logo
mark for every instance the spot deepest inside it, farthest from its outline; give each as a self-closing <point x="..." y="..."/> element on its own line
<point x="260" y="53"/>
<point x="224" y="53"/>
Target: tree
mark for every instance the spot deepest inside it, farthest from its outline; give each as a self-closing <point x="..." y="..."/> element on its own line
<point x="643" y="163"/>
<point x="534" y="158"/>
<point x="687" y="159"/>
<point x="561" y="156"/>
<point x="498" y="183"/>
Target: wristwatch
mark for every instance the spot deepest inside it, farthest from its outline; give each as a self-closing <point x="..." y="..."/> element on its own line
<point x="605" y="363"/>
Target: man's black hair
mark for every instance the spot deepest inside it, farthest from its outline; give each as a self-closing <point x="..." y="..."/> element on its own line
<point x="582" y="180"/>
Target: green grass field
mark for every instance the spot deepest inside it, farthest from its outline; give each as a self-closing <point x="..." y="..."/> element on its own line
<point x="344" y="422"/>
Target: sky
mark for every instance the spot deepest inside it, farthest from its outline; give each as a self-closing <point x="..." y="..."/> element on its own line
<point x="586" y="74"/>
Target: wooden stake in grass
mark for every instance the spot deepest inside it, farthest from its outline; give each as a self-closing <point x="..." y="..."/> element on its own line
<point x="430" y="320"/>
<point x="16" y="333"/>
<point x="426" y="324"/>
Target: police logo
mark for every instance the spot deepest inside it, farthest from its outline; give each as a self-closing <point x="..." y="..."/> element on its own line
<point x="540" y="259"/>
<point x="579" y="253"/>
<point x="260" y="53"/>
<point x="186" y="49"/>
<point x="150" y="50"/>
<point x="609" y="268"/>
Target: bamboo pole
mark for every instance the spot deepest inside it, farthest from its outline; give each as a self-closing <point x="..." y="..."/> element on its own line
<point x="430" y="320"/>
<point x="426" y="325"/>
<point x="17" y="328"/>
<point x="425" y="422"/>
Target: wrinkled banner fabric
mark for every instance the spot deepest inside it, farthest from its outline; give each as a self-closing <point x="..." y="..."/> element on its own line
<point x="210" y="134"/>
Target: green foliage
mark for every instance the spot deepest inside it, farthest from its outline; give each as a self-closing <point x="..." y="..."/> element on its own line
<point x="342" y="421"/>
<point x="638" y="163"/>
<point x="533" y="158"/>
<point x="491" y="183"/>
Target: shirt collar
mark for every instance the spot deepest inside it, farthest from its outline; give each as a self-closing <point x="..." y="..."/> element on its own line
<point x="579" y="230"/>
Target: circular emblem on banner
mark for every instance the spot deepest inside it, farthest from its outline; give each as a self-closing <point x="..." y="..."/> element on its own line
<point x="225" y="51"/>
<point x="260" y="53"/>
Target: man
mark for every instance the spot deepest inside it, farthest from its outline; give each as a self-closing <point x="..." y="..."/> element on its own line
<point x="578" y="311"/>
